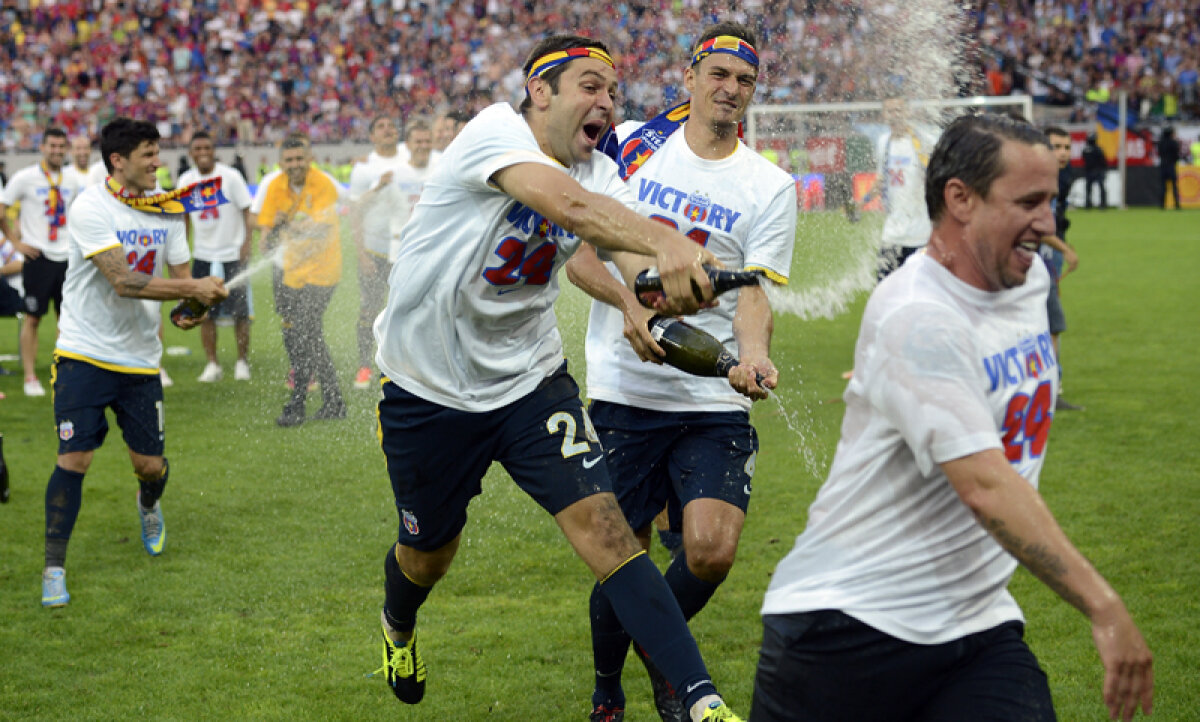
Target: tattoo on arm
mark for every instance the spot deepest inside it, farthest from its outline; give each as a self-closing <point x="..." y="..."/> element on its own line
<point x="114" y="267"/>
<point x="1044" y="564"/>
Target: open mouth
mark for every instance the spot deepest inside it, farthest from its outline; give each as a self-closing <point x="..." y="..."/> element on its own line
<point x="593" y="130"/>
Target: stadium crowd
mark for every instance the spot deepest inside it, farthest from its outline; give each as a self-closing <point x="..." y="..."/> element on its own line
<point x="250" y="72"/>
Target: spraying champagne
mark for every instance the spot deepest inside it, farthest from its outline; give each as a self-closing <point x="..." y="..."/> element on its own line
<point x="649" y="287"/>
<point x="692" y="350"/>
<point x="188" y="308"/>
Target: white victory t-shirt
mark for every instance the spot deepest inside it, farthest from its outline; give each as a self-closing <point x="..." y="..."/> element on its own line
<point x="379" y="209"/>
<point x="219" y="232"/>
<point x="902" y="161"/>
<point x="96" y="324"/>
<point x="410" y="181"/>
<point x="469" y="321"/>
<point x="741" y="208"/>
<point x="31" y="188"/>
<point x="96" y="174"/>
<point x="942" y="370"/>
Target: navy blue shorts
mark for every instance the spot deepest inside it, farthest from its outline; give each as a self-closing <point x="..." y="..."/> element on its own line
<point x="663" y="459"/>
<point x="43" y="280"/>
<point x="437" y="456"/>
<point x="237" y="305"/>
<point x="83" y="391"/>
<point x="828" y="666"/>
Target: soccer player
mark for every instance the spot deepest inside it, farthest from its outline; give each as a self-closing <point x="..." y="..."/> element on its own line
<point x="902" y="155"/>
<point x="220" y="235"/>
<point x="385" y="187"/>
<point x="81" y="153"/>
<point x="447" y="127"/>
<point x="300" y="208"/>
<point x="892" y="605"/>
<point x="672" y="439"/>
<point x="1055" y="251"/>
<point x="470" y="352"/>
<point x="45" y="191"/>
<point x="108" y="349"/>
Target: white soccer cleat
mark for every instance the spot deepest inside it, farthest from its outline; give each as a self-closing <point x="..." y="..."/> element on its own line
<point x="241" y="371"/>
<point x="54" y="587"/>
<point x="212" y="372"/>
<point x="165" y="378"/>
<point x="33" y="387"/>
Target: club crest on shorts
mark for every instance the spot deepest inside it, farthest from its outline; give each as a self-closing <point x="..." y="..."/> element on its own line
<point x="66" y="430"/>
<point x="410" y="522"/>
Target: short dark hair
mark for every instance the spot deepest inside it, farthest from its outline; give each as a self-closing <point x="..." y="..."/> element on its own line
<point x="552" y="44"/>
<point x="200" y="135"/>
<point x="969" y="150"/>
<point x="53" y="133"/>
<point x="1056" y="130"/>
<point x="414" y="125"/>
<point x="460" y="117"/>
<point x="728" y="27"/>
<point x="375" y="121"/>
<point x="295" y="139"/>
<point x="123" y="136"/>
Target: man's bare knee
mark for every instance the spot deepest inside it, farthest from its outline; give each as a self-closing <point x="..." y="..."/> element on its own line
<point x="427" y="568"/>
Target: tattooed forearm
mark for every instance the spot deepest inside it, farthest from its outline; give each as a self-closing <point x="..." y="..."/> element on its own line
<point x="1044" y="564"/>
<point x="114" y="267"/>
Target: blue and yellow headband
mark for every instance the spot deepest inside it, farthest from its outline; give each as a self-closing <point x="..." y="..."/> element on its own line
<point x="726" y="44"/>
<point x="558" y="57"/>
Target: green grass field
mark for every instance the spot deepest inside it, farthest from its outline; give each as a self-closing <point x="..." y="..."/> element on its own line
<point x="265" y="604"/>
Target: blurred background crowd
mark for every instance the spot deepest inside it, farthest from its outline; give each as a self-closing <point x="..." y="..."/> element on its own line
<point x="249" y="72"/>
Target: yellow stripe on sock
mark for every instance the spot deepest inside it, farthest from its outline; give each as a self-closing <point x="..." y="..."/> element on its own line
<point x="619" y="566"/>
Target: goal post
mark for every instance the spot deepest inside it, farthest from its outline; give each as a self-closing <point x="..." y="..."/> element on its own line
<point x="820" y="143"/>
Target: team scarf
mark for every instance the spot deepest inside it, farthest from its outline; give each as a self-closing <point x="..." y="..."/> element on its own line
<point x="56" y="209"/>
<point x="196" y="197"/>
<point x="646" y="140"/>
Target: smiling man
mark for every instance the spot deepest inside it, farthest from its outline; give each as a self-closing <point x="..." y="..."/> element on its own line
<point x="108" y="349"/>
<point x="673" y="439"/>
<point x="44" y="191"/>
<point x="473" y="363"/>
<point x="893" y="603"/>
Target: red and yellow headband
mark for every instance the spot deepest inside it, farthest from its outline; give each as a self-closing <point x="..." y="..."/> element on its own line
<point x="726" y="44"/>
<point x="558" y="57"/>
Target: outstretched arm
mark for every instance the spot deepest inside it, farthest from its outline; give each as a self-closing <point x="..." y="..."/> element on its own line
<point x="607" y="223"/>
<point x="1013" y="512"/>
<point x="132" y="284"/>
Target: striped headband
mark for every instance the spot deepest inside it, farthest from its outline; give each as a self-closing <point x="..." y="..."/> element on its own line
<point x="558" y="57"/>
<point x="726" y="44"/>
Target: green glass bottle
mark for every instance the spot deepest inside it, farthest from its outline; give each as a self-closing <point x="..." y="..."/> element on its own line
<point x="648" y="286"/>
<point x="692" y="350"/>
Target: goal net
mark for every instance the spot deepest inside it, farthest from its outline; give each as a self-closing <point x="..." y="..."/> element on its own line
<point x="832" y="150"/>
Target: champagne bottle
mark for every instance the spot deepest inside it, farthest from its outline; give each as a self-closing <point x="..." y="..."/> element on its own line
<point x="3" y="474"/>
<point x="186" y="309"/>
<point x="692" y="350"/>
<point x="649" y="287"/>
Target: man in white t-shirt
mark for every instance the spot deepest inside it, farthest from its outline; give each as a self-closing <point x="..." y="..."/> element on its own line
<point x="902" y="155"/>
<point x="671" y="439"/>
<point x="108" y="350"/>
<point x="893" y="603"/>
<point x="220" y="235"/>
<point x="470" y="350"/>
<point x="81" y="154"/>
<point x="45" y="191"/>
<point x="385" y="189"/>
